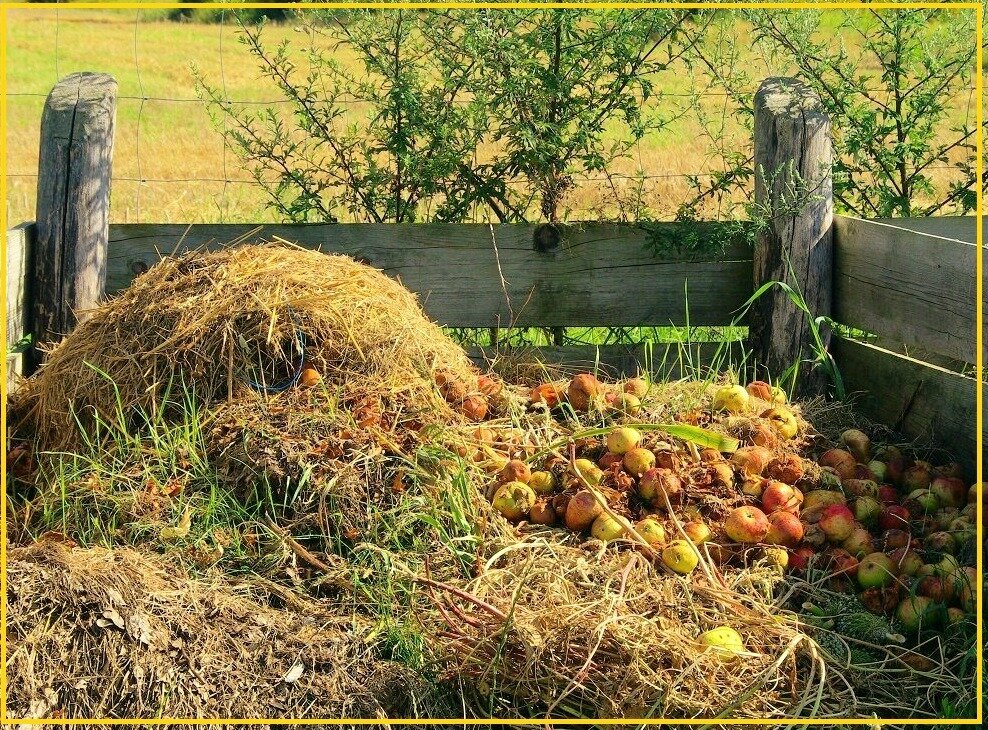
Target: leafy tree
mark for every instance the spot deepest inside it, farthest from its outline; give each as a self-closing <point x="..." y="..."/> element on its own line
<point x="391" y="142"/>
<point x="557" y="82"/>
<point x="454" y="115"/>
<point x="891" y="81"/>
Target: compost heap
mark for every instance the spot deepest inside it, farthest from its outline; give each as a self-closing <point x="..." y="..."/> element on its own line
<point x="280" y="433"/>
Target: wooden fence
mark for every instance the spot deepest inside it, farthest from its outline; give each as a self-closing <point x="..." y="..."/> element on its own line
<point x="910" y="284"/>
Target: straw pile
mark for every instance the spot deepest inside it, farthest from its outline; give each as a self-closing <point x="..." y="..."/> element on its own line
<point x="556" y="632"/>
<point x="222" y="323"/>
<point x="116" y="634"/>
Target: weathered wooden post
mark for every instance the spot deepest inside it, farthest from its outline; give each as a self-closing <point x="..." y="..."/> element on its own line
<point x="68" y="261"/>
<point x="793" y="186"/>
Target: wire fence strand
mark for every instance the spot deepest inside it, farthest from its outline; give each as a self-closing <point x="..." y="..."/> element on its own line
<point x="145" y="100"/>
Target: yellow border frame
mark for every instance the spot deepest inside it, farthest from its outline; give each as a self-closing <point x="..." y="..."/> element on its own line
<point x="823" y="5"/>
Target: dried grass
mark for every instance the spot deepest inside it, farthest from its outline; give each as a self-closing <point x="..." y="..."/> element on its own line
<point x="212" y="322"/>
<point x="557" y="630"/>
<point x="116" y="634"/>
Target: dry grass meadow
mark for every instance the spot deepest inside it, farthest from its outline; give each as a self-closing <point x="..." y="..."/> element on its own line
<point x="169" y="162"/>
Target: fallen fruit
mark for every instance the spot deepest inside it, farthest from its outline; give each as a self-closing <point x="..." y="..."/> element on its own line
<point x="746" y="525"/>
<point x="589" y="471"/>
<point x="542" y="512"/>
<point x="636" y="387"/>
<point x="652" y="531"/>
<point x="783" y="420"/>
<point x="607" y="528"/>
<point x="515" y="471"/>
<point x="581" y="510"/>
<point x="638" y="460"/>
<point x="778" y="496"/>
<point x="894" y="516"/>
<point x="542" y="482"/>
<point x="752" y="459"/>
<point x="916" y="613"/>
<point x="730" y="398"/>
<point x="784" y="529"/>
<point x="584" y="391"/>
<point x="841" y="461"/>
<point x="697" y="531"/>
<point x="949" y="491"/>
<point x="622" y="440"/>
<point x="858" y="443"/>
<point x="837" y="522"/>
<point x="866" y="510"/>
<point x="786" y="468"/>
<point x="310" y="376"/>
<point x="876" y="570"/>
<point x="680" y="557"/>
<point x="722" y="640"/>
<point x="656" y="485"/>
<point x="514" y="500"/>
<point x="859" y="543"/>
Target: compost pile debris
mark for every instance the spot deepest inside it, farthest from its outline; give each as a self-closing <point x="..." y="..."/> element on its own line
<point x="247" y="319"/>
<point x="561" y="547"/>
<point x="121" y="634"/>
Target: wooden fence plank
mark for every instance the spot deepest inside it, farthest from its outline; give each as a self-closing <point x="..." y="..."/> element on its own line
<point x="662" y="361"/>
<point x="920" y="400"/>
<point x="18" y="255"/>
<point x="475" y="275"/>
<point x="906" y="286"/>
<point x="958" y="227"/>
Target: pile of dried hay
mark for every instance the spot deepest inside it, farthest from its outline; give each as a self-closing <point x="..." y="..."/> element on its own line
<point x="116" y="634"/>
<point x="553" y="630"/>
<point x="222" y="323"/>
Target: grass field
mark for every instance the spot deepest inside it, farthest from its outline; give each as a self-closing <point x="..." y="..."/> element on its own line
<point x="169" y="161"/>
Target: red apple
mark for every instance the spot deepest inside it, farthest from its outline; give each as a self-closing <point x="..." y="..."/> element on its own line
<point x="799" y="559"/>
<point x="934" y="587"/>
<point x="859" y="543"/>
<point x="907" y="561"/>
<point x="837" y="521"/>
<point x="950" y="491"/>
<point x="888" y="494"/>
<point x="895" y="538"/>
<point x="778" y="495"/>
<point x="784" y="529"/>
<point x="940" y="542"/>
<point x="841" y="461"/>
<point x="894" y="516"/>
<point x="746" y="525"/>
<point x="842" y="563"/>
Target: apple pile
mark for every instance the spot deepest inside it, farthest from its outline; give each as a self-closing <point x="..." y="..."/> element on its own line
<point x="892" y="530"/>
<point x="640" y="486"/>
